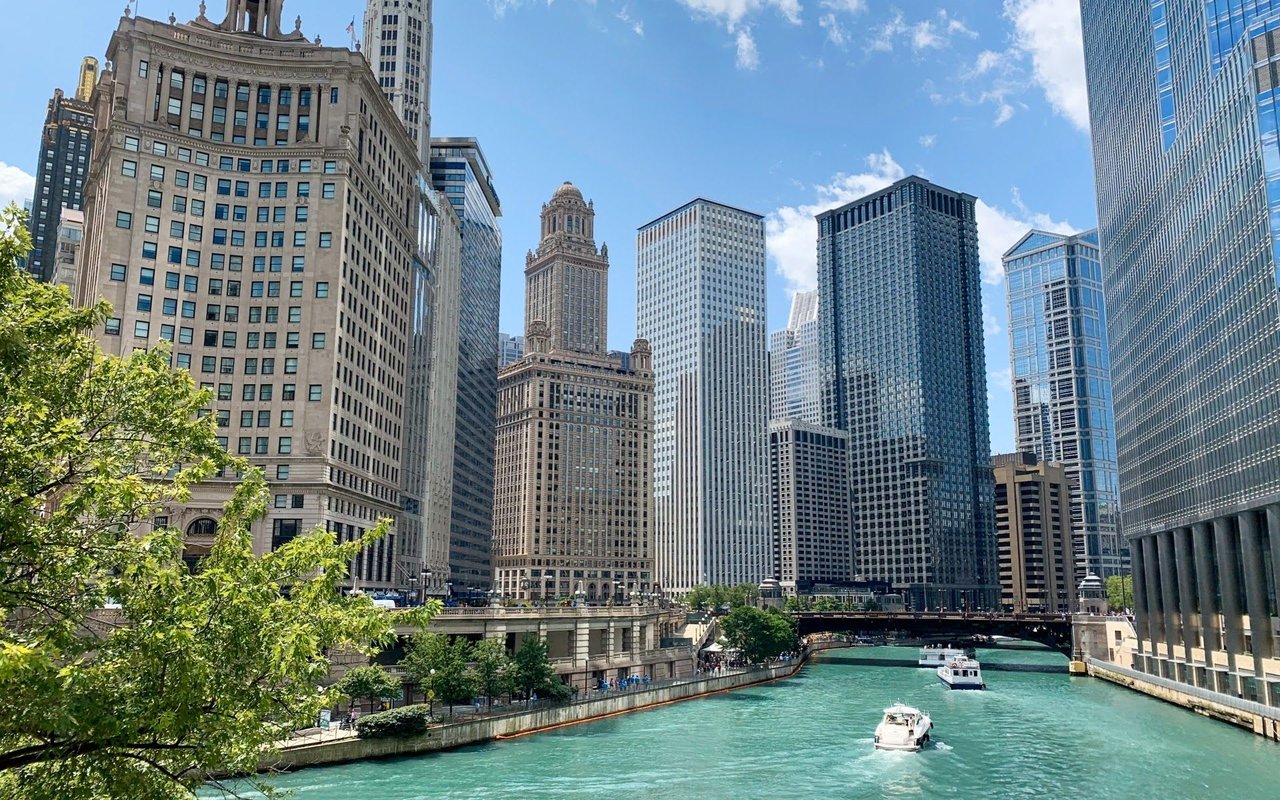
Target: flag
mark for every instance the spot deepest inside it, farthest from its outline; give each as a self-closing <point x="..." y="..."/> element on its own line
<point x="351" y="28"/>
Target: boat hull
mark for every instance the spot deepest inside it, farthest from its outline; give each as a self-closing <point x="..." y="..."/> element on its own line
<point x="962" y="686"/>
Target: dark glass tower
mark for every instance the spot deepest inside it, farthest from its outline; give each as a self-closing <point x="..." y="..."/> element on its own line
<point x="903" y="372"/>
<point x="1183" y="108"/>
<point x="66" y="145"/>
<point x="460" y="173"/>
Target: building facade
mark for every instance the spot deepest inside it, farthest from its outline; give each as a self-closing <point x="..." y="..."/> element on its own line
<point x="260" y="215"/>
<point x="811" y="510"/>
<point x="904" y="373"/>
<point x="701" y="304"/>
<point x="1188" y="176"/>
<point x="573" y="492"/>
<point x="397" y="43"/>
<point x="1034" y="534"/>
<point x="795" y="379"/>
<point x="66" y="148"/>
<point x="461" y="174"/>
<point x="510" y="349"/>
<point x="1061" y="372"/>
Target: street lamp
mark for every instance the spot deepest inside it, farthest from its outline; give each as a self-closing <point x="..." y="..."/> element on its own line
<point x="426" y="582"/>
<point x="431" y="694"/>
<point x="413" y="589"/>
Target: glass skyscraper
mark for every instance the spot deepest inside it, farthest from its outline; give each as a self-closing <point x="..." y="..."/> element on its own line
<point x="700" y="271"/>
<point x="1062" y="384"/>
<point x="795" y="386"/>
<point x="904" y="373"/>
<point x="461" y="174"/>
<point x="1182" y="103"/>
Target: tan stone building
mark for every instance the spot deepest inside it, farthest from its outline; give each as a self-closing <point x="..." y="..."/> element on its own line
<point x="255" y="201"/>
<point x="573" y="505"/>
<point x="1033" y="534"/>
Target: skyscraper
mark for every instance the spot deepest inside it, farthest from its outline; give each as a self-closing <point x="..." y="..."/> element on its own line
<point x="795" y="380"/>
<point x="397" y="43"/>
<point x="1034" y="534"/>
<point x="1062" y="383"/>
<point x="573" y="493"/>
<point x="510" y="349"/>
<point x="1182" y="100"/>
<point x="290" y="267"/>
<point x="812" y="514"/>
<point x="904" y="374"/>
<point x="701" y="296"/>
<point x="66" y="147"/>
<point x="461" y="174"/>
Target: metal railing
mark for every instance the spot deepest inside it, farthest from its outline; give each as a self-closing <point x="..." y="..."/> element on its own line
<point x="1238" y="703"/>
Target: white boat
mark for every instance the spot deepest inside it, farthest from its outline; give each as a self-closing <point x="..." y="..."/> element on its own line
<point x="903" y="728"/>
<point x="936" y="656"/>
<point x="962" y="673"/>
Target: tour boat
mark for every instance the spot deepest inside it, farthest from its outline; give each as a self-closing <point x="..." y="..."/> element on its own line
<point x="935" y="656"/>
<point x="962" y="673"/>
<point x="903" y="728"/>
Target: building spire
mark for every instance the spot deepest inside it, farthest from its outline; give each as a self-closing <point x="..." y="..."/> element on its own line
<point x="260" y="17"/>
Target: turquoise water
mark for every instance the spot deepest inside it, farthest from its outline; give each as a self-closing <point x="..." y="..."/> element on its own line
<point x="1029" y="735"/>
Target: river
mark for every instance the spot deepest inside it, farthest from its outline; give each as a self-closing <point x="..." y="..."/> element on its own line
<point x="1029" y="735"/>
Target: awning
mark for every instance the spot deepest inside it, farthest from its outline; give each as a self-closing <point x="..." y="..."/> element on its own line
<point x="714" y="647"/>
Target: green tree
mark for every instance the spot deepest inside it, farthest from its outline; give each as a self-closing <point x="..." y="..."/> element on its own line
<point x="372" y="683"/>
<point x="758" y="634"/>
<point x="439" y="665"/>
<point x="1120" y="591"/>
<point x="491" y="668"/>
<point x="531" y="668"/>
<point x="124" y="673"/>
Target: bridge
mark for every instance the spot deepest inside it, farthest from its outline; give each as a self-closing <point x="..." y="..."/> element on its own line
<point x="1052" y="630"/>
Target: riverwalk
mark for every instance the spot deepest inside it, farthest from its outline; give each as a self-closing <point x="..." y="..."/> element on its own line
<point x="335" y="747"/>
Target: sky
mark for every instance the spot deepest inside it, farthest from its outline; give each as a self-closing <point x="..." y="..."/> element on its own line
<point x="783" y="107"/>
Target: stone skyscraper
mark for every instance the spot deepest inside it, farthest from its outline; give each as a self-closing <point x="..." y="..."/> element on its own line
<point x="397" y="43"/>
<point x="461" y="175"/>
<point x="1062" y="384"/>
<point x="573" y="494"/>
<point x="700" y="272"/>
<point x="1186" y="145"/>
<point x="66" y="148"/>
<point x="812" y="513"/>
<point x="904" y="374"/>
<point x="1034" y="534"/>
<point x="264" y="214"/>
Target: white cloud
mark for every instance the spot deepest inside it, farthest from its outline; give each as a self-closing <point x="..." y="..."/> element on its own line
<point x="636" y="25"/>
<point x="847" y="6"/>
<point x="791" y="233"/>
<point x="928" y="140"/>
<point x="987" y="61"/>
<point x="835" y="33"/>
<point x="933" y="33"/>
<point x="16" y="186"/>
<point x="1048" y="32"/>
<point x="748" y="55"/>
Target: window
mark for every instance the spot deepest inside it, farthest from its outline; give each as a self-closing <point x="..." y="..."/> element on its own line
<point x="155" y="199"/>
<point x="273" y="288"/>
<point x="149" y="250"/>
<point x="193" y="257"/>
<point x="157" y="172"/>
<point x="143" y="69"/>
<point x="264" y="419"/>
<point x="327" y="191"/>
<point x="245" y="445"/>
<point x="326" y="240"/>
<point x="199" y="183"/>
<point x="281" y="501"/>
<point x="179" y="204"/>
<point x="144" y="302"/>
<point x="190" y="283"/>
<point x="129" y="169"/>
<point x="282" y="474"/>
<point x="299" y="264"/>
<point x="195" y="233"/>
<point x="322" y="289"/>
<point x="146" y="276"/>
<point x="291" y="340"/>
<point x="304" y="190"/>
<point x="166" y="332"/>
<point x="288" y="391"/>
<point x="169" y="306"/>
<point x="315" y="393"/>
<point x="176" y="79"/>
<point x="295" y="288"/>
<point x="242" y="188"/>
<point x="174" y="106"/>
<point x="176" y="229"/>
<point x="331" y="167"/>
<point x="261" y="445"/>
<point x="264" y="392"/>
<point x="333" y="94"/>
<point x="295" y="314"/>
<point x="151" y="224"/>
<point x="175" y="255"/>
<point x="227" y="366"/>
<point x="284" y="445"/>
<point x="124" y="219"/>
<point x="317" y="341"/>
<point x="291" y="366"/>
<point x="224" y="186"/>
<point x="264" y="95"/>
<point x="118" y="272"/>
<point x="142" y="329"/>
<point x="269" y="340"/>
<point x="197" y="208"/>
<point x="286" y="418"/>
<point x="131" y="143"/>
<point x="188" y="309"/>
<point x="300" y="238"/>
<point x="112" y="327"/>
<point x="246" y="419"/>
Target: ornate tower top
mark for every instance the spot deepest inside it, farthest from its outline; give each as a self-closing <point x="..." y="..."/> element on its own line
<point x="261" y="17"/>
<point x="568" y="222"/>
<point x="567" y="278"/>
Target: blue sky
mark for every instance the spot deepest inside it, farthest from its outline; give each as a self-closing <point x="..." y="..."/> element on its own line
<point x="784" y="107"/>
